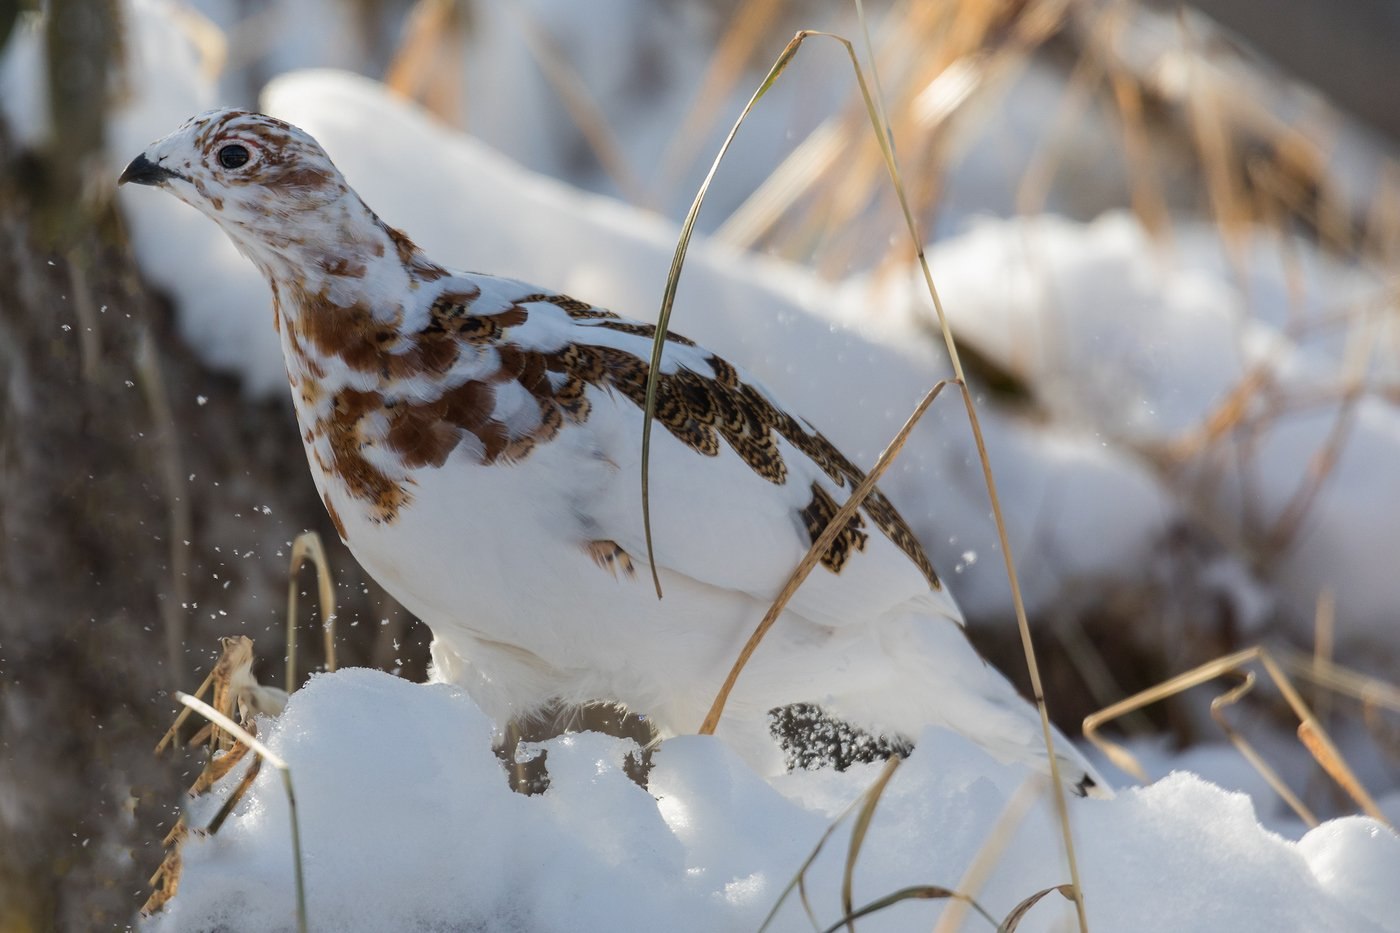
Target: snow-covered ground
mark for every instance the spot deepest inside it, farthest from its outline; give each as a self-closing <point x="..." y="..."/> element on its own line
<point x="407" y="823"/>
<point x="1130" y="348"/>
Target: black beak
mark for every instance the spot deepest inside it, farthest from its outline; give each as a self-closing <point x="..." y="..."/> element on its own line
<point x="143" y="171"/>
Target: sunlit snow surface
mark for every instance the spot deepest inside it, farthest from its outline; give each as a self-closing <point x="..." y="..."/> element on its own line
<point x="407" y="824"/>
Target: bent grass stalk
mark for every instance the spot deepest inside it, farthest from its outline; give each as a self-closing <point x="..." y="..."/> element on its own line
<point x="1023" y="624"/>
<point x="866" y="802"/>
<point x="272" y="758"/>
<point x="858" y="831"/>
<point x="1310" y="731"/>
<point x="814" y="554"/>
<point x="883" y="134"/>
<point x="668" y="297"/>
<point x="308" y="546"/>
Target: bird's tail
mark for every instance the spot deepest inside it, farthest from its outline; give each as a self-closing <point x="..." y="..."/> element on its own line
<point x="939" y="679"/>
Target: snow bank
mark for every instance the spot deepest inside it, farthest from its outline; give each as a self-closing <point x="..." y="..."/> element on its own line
<point x="407" y="824"/>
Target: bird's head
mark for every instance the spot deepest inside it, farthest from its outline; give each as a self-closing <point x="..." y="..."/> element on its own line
<point x="266" y="182"/>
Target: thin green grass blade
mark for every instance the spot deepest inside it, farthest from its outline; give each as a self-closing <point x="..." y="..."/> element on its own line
<point x="668" y="298"/>
<point x="858" y="831"/>
<point x="884" y="135"/>
<point x="798" y="880"/>
<point x="1013" y="919"/>
<point x="922" y="892"/>
<point x="875" y="109"/>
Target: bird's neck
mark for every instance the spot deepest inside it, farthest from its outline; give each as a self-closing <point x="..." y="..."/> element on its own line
<point x="348" y="289"/>
<point x="340" y="256"/>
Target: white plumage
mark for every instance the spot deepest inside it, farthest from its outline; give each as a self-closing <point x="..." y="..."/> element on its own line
<point x="477" y="442"/>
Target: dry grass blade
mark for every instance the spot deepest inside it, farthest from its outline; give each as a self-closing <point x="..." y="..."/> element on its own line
<point x="813" y="556"/>
<point x="1310" y="732"/>
<point x="1371" y="693"/>
<point x="166" y="880"/>
<point x="244" y="783"/>
<point x="1013" y="919"/>
<point x="218" y="767"/>
<point x="875" y="109"/>
<point x="427" y="65"/>
<point x="184" y="714"/>
<point x="1119" y="755"/>
<point x="668" y="298"/>
<point x="810" y="161"/>
<point x="1315" y="738"/>
<point x="866" y="801"/>
<point x="308" y="545"/>
<point x="1343" y="680"/>
<point x="569" y="85"/>
<point x="990" y="852"/>
<point x="272" y="758"/>
<point x="858" y="831"/>
<point x="799" y="879"/>
<point x="1327" y="755"/>
<point x="923" y="892"/>
<point x="173" y="477"/>
<point x="1246" y="749"/>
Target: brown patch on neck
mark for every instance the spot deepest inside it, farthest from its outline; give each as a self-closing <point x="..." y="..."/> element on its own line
<point x="367" y="344"/>
<point x="364" y="480"/>
<point x="420" y="268"/>
<point x="351" y="334"/>
<point x="335" y="517"/>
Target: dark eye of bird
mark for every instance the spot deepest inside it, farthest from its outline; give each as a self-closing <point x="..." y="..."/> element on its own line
<point x="233" y="156"/>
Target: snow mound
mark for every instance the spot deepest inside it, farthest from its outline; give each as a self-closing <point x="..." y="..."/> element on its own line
<point x="407" y="824"/>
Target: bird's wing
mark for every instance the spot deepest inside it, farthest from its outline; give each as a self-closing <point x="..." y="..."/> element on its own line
<point x="739" y="486"/>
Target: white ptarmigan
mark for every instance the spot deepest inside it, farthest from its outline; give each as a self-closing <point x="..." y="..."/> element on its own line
<point x="477" y="443"/>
